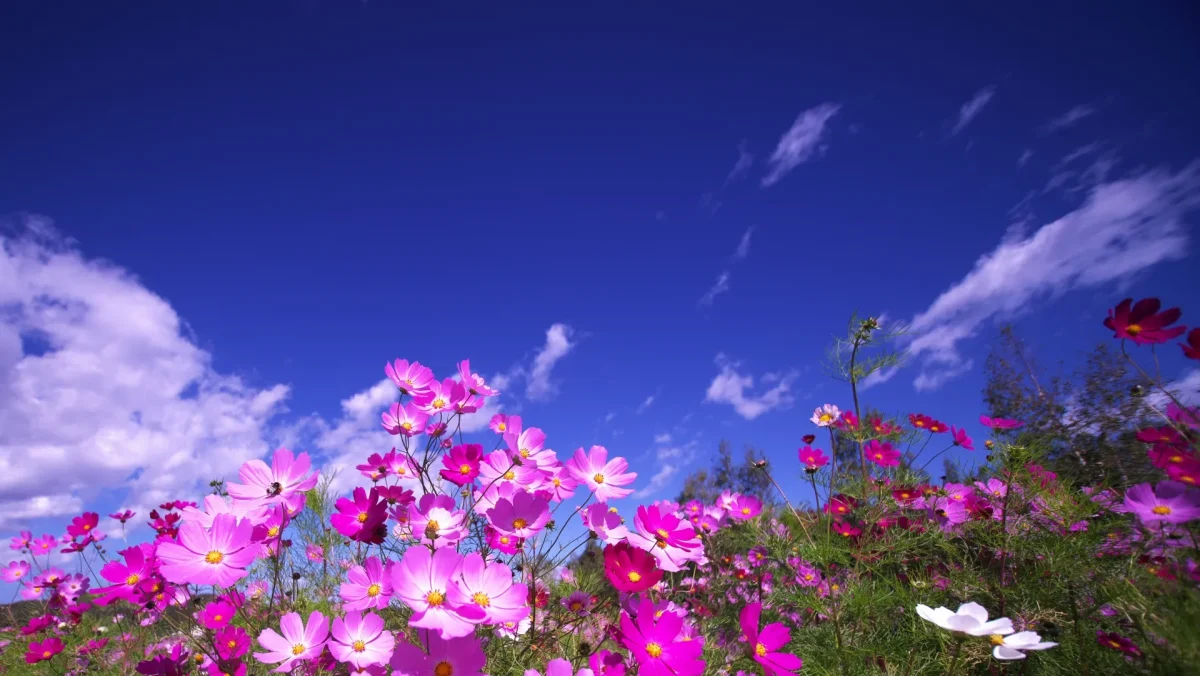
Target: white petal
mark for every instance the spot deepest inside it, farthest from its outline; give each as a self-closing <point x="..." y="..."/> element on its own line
<point x="965" y="623"/>
<point x="1021" y="639"/>
<point x="1003" y="652"/>
<point x="937" y="616"/>
<point x="974" y="610"/>
<point x="1001" y="626"/>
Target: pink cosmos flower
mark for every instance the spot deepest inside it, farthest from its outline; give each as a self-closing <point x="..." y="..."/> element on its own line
<point x="314" y="553"/>
<point x="561" y="484"/>
<point x="82" y="526"/>
<point x="502" y="542"/>
<point x="231" y="643"/>
<point x="437" y="398"/>
<point x="764" y="646"/>
<point x="361" y="519"/>
<point x="669" y="539"/>
<point x="404" y="419"/>
<point x="845" y="529"/>
<point x="375" y="468"/>
<point x="299" y="642"/>
<point x="498" y="469"/>
<point x="462" y="401"/>
<point x="812" y="458"/>
<point x="655" y="646"/>
<point x="214" y="504"/>
<point x="217" y="615"/>
<point x="360" y="640"/>
<point x="474" y="382"/>
<point x="215" y="556"/>
<point x="462" y="464"/>
<point x="436" y="521"/>
<point x="1143" y="323"/>
<point x="523" y="515"/>
<point x="961" y="438"/>
<point x="745" y="507"/>
<point x="1189" y="417"/>
<point x="528" y="446"/>
<point x="14" y="571"/>
<point x="1000" y="423"/>
<point x="499" y="423"/>
<point x="490" y="587"/>
<point x="578" y="603"/>
<point x="605" y="523"/>
<point x="446" y="657"/>
<point x="21" y="541"/>
<point x="1167" y="502"/>
<point x="881" y="453"/>
<point x="367" y="586"/>
<point x="560" y="667"/>
<point x="43" y="545"/>
<point x="287" y="476"/>
<point x="602" y="476"/>
<point x="630" y="569"/>
<point x="412" y="379"/>
<point x="422" y="581"/>
<point x="45" y="650"/>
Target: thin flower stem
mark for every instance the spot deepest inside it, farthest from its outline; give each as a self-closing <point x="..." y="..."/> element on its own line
<point x="954" y="657"/>
<point x="783" y="495"/>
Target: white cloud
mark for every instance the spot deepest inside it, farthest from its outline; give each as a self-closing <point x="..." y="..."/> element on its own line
<point x="659" y="481"/>
<point x="609" y="418"/>
<point x="102" y="392"/>
<point x="663" y="438"/>
<point x="806" y="138"/>
<point x="743" y="248"/>
<point x="645" y="405"/>
<point x="720" y="287"/>
<point x="1122" y="227"/>
<point x="1069" y="118"/>
<point x="972" y="108"/>
<point x="730" y="387"/>
<point x="1025" y="157"/>
<point x="558" y="344"/>
<point x="744" y="161"/>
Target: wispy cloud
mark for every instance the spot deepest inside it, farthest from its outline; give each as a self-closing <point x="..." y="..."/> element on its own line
<point x="609" y="418"/>
<point x="1069" y="118"/>
<point x="722" y="284"/>
<point x="558" y="344"/>
<point x="740" y="168"/>
<point x="733" y="388"/>
<point x="645" y="404"/>
<point x="664" y="438"/>
<point x="669" y="459"/>
<point x="971" y="109"/>
<point x="1025" y="157"/>
<point x="1123" y="227"/>
<point x="807" y="138"/>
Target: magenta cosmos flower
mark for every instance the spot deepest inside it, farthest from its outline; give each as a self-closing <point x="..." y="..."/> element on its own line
<point x="217" y="615"/>
<point x="764" y="646"/>
<point x="453" y="657"/>
<point x="462" y="464"/>
<point x="812" y="458"/>
<point x="560" y="667"/>
<point x="287" y="475"/>
<point x="45" y="650"/>
<point x="881" y="453"/>
<point x="82" y="526"/>
<point x="961" y="438"/>
<point x="215" y="556"/>
<point x="436" y="521"/>
<point x="602" y="476"/>
<point x="362" y="518"/>
<point x="14" y="571"/>
<point x="422" y="581"/>
<point x="745" y="507"/>
<point x="490" y="587"/>
<point x="412" y="379"/>
<point x="1143" y="323"/>
<point x="367" y="586"/>
<point x="298" y="643"/>
<point x="630" y="569"/>
<point x="1000" y="423"/>
<point x="655" y="644"/>
<point x="606" y="523"/>
<point x="361" y="641"/>
<point x="404" y="419"/>
<point x="523" y="515"/>
<point x="1167" y="502"/>
<point x="669" y="539"/>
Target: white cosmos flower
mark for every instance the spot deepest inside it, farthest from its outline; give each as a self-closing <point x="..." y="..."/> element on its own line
<point x="825" y="415"/>
<point x="1010" y="647"/>
<point x="971" y="619"/>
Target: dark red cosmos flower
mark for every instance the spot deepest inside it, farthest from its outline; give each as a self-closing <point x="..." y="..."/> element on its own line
<point x="1117" y="642"/>
<point x="938" y="426"/>
<point x="919" y="420"/>
<point x="630" y="569"/>
<point x="808" y="439"/>
<point x="1143" y="323"/>
<point x="1191" y="349"/>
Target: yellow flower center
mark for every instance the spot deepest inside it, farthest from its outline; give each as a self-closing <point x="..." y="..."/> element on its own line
<point x="557" y="482"/>
<point x="87" y="526"/>
<point x="996" y="639"/>
<point x="218" y="618"/>
<point x="746" y="511"/>
<point x="298" y="648"/>
<point x="481" y="600"/>
<point x="808" y="576"/>
<point x="406" y="425"/>
<point x="443" y="669"/>
<point x="501" y="426"/>
<point x="435" y="598"/>
<point x="1133" y="329"/>
<point x="662" y="533"/>
<point x="362" y="517"/>
<point x="439" y="403"/>
<point x="214" y="557"/>
<point x="231" y="644"/>
<point x="510" y="475"/>
<point x="133" y="579"/>
<point x="654" y="650"/>
<point x="1114" y="643"/>
<point x="359" y="646"/>
<point x="634" y="576"/>
<point x="519" y="523"/>
<point x="374" y="590"/>
<point x="1161" y="510"/>
<point x="524" y="452"/>
<point x="273" y="531"/>
<point x="576" y="606"/>
<point x="504" y="539"/>
<point x="46" y="655"/>
<point x="760" y="649"/>
<point x="464" y="469"/>
<point x="599" y="478"/>
<point x="825" y="417"/>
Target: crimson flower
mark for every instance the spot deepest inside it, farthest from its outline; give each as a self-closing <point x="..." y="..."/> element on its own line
<point x="1143" y="323"/>
<point x="1118" y="642"/>
<point x="1191" y="349"/>
<point x="630" y="569"/>
<point x="362" y="518"/>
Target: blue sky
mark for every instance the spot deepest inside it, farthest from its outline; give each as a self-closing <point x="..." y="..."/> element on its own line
<point x="222" y="221"/>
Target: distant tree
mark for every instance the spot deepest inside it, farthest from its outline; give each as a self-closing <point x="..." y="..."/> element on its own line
<point x="707" y="485"/>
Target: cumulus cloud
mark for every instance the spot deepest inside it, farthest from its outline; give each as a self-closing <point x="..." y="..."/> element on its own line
<point x="1121" y="228"/>
<point x="101" y="391"/>
<point x="558" y="344"/>
<point x="972" y="108"/>
<point x="733" y="388"/>
<point x="1069" y="118"/>
<point x="808" y="137"/>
